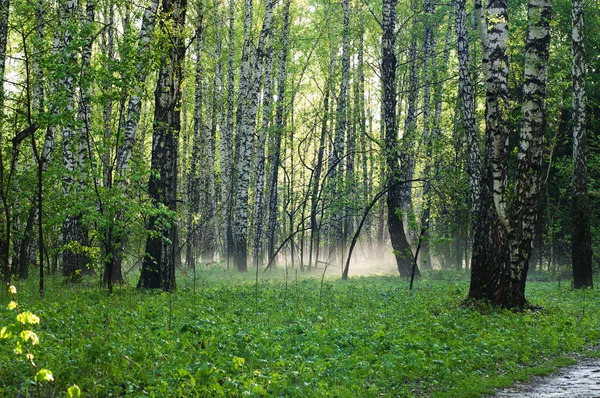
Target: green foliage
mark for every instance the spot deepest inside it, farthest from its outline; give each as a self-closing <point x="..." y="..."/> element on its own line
<point x="24" y="339"/>
<point x="370" y="336"/>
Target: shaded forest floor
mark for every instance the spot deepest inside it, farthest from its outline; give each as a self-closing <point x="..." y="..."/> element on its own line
<point x="223" y="335"/>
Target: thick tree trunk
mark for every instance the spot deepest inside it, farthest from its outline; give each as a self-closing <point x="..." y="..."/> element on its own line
<point x="402" y="252"/>
<point x="158" y="267"/>
<point x="581" y="238"/>
<point x="501" y="279"/>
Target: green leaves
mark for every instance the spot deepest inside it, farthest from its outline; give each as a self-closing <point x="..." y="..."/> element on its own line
<point x="44" y="375"/>
<point x="369" y="337"/>
<point x="27" y="317"/>
<point x="74" y="391"/>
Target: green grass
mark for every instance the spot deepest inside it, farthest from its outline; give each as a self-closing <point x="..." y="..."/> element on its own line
<point x="369" y="336"/>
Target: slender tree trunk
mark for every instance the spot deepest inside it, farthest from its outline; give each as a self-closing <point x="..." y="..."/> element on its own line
<point x="314" y="200"/>
<point x="336" y="165"/>
<point x="409" y="137"/>
<point x="216" y="120"/>
<point x="158" y="267"/>
<point x="193" y="180"/>
<point x="581" y="238"/>
<point x="248" y="101"/>
<point x="128" y="137"/>
<point x="259" y="209"/>
<point x="427" y="137"/>
<point x="74" y="258"/>
<point x="4" y="235"/>
<point x="465" y="94"/>
<point x="278" y="132"/>
<point x="226" y="147"/>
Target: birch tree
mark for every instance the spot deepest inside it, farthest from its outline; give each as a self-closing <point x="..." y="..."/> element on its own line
<point x="74" y="233"/>
<point x="275" y="158"/>
<point x="158" y="266"/>
<point x="400" y="245"/>
<point x="248" y="103"/>
<point x="581" y="238"/>
<point x="506" y="283"/>
<point x="465" y="95"/>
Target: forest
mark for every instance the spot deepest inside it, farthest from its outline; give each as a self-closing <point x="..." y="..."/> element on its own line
<point x="296" y="197"/>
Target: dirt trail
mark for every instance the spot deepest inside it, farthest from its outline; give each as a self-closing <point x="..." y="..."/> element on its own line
<point x="577" y="381"/>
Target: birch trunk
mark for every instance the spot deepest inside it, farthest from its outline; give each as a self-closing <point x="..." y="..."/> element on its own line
<point x="135" y="100"/>
<point x="260" y="163"/>
<point x="505" y="284"/>
<point x="314" y="200"/>
<point x="248" y="102"/>
<point x="131" y="123"/>
<point x="336" y="165"/>
<point x="409" y="137"/>
<point x="193" y="180"/>
<point x="158" y="266"/>
<point x="5" y="233"/>
<point x="216" y="119"/>
<point x="400" y="245"/>
<point x="465" y="93"/>
<point x="226" y="148"/>
<point x="74" y="259"/>
<point x="278" y="132"/>
<point x="581" y="240"/>
<point x="530" y="152"/>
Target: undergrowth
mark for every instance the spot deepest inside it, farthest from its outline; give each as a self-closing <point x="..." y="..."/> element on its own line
<point x="220" y="335"/>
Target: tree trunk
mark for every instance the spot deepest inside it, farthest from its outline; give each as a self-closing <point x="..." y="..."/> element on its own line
<point x="74" y="258"/>
<point x="402" y="252"/>
<point x="226" y="148"/>
<point x="501" y="279"/>
<point x="335" y="163"/>
<point x="158" y="267"/>
<point x="465" y="94"/>
<point x="278" y="132"/>
<point x="248" y="102"/>
<point x="259" y="209"/>
<point x="581" y="238"/>
<point x="316" y="186"/>
<point x="131" y="128"/>
<point x="193" y="180"/>
<point x="409" y="137"/>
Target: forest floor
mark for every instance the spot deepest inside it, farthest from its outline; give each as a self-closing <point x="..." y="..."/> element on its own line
<point x="285" y="333"/>
<point x="581" y="380"/>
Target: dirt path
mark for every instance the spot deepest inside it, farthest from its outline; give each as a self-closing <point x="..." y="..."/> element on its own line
<point x="580" y="380"/>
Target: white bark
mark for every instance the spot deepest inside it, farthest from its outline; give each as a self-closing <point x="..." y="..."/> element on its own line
<point x="135" y="99"/>
<point x="248" y="101"/>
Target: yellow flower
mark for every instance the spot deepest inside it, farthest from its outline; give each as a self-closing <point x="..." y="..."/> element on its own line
<point x="12" y="290"/>
<point x="12" y="305"/>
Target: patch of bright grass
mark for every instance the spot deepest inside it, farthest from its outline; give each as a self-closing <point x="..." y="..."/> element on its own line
<point x="295" y="336"/>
